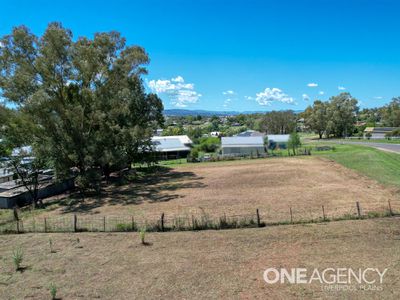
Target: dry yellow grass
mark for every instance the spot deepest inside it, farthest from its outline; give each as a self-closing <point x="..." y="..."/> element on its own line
<point x="234" y="188"/>
<point x="199" y="265"/>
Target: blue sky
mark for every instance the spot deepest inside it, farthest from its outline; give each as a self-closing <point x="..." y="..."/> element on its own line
<point x="243" y="55"/>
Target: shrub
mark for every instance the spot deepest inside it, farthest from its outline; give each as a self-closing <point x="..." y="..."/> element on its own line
<point x="368" y="135"/>
<point x="53" y="291"/>
<point x="51" y="246"/>
<point x="17" y="257"/>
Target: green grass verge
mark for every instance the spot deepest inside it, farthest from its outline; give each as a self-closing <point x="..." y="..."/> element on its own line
<point x="379" y="165"/>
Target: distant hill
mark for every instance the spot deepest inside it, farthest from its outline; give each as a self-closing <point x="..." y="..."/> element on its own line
<point x="208" y="113"/>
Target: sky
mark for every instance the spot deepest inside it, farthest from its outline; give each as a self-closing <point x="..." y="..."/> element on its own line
<point x="243" y="55"/>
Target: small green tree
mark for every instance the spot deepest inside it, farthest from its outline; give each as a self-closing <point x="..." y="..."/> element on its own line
<point x="368" y="135"/>
<point x="294" y="141"/>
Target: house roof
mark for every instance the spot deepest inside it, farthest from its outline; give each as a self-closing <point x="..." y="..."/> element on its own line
<point x="278" y="138"/>
<point x="380" y="129"/>
<point x="250" y="133"/>
<point x="242" y="141"/>
<point x="171" y="143"/>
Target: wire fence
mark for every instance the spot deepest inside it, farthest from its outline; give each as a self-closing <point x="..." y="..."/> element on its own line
<point x="203" y="221"/>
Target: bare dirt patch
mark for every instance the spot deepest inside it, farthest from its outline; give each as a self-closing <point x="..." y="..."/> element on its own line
<point x="199" y="265"/>
<point x="234" y="188"/>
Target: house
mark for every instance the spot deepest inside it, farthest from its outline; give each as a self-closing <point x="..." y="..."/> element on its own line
<point x="378" y="132"/>
<point x="171" y="147"/>
<point x="251" y="133"/>
<point x="242" y="145"/>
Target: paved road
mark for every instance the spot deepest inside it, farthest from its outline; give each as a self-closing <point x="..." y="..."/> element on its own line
<point x="381" y="146"/>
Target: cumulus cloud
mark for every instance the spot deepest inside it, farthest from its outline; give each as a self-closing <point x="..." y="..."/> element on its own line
<point x="270" y="95"/>
<point x="306" y="97"/>
<point x="229" y="92"/>
<point x="180" y="93"/>
<point x="341" y="88"/>
<point x="312" y="84"/>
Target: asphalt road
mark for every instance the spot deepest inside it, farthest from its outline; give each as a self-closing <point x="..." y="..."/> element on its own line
<point x="380" y="146"/>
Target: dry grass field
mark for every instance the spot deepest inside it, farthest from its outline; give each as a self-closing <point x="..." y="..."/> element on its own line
<point x="240" y="187"/>
<point x="226" y="264"/>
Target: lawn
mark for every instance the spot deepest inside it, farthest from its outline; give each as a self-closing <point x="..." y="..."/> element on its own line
<point x="199" y="265"/>
<point x="380" y="165"/>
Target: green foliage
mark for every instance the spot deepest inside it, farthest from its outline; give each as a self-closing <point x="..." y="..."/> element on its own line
<point x="80" y="102"/>
<point x="368" y="135"/>
<point x="335" y="117"/>
<point x="142" y="235"/>
<point x="278" y="122"/>
<point x="294" y="141"/>
<point x="17" y="257"/>
<point x="209" y="144"/>
<point x="53" y="291"/>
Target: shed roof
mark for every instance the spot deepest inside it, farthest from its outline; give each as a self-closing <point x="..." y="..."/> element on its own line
<point x="279" y="138"/>
<point x="242" y="141"/>
<point x="250" y="133"/>
<point x="169" y="144"/>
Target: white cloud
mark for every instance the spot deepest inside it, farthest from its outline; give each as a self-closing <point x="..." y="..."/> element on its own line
<point x="378" y="97"/>
<point x="312" y="84"/>
<point x="270" y="95"/>
<point x="341" y="88"/>
<point x="178" y="79"/>
<point x="230" y="92"/>
<point x="306" y="97"/>
<point x="321" y="93"/>
<point x="180" y="93"/>
<point x="227" y="102"/>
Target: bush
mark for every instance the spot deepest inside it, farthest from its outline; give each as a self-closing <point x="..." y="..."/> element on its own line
<point x="142" y="235"/>
<point x="209" y="144"/>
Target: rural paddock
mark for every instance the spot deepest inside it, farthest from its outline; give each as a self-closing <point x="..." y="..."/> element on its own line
<point x="225" y="264"/>
<point x="240" y="187"/>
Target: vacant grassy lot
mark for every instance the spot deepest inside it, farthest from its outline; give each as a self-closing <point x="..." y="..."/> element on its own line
<point x="199" y="265"/>
<point x="377" y="164"/>
<point x="239" y="187"/>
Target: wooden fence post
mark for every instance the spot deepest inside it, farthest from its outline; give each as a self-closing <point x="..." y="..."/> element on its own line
<point x="18" y="231"/>
<point x="390" y="208"/>
<point x="133" y="223"/>
<point x="162" y="222"/>
<point x="258" y="218"/>
<point x="45" y="225"/>
<point x="291" y="215"/>
<point x="323" y="213"/>
<point x="358" y="209"/>
<point x="104" y="224"/>
<point x="75" y="222"/>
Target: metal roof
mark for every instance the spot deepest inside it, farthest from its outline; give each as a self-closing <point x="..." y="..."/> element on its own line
<point x="250" y="133"/>
<point x="168" y="144"/>
<point x="278" y="138"/>
<point x="242" y="141"/>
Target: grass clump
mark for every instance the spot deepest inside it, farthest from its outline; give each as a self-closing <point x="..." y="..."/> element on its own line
<point x="142" y="235"/>
<point x="53" y="291"/>
<point x="17" y="257"/>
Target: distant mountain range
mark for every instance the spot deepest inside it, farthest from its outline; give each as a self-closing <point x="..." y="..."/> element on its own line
<point x="208" y="113"/>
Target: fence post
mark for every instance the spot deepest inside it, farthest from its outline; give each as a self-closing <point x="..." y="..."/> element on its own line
<point x="323" y="213"/>
<point x="45" y="225"/>
<point x="133" y="223"/>
<point x="104" y="223"/>
<point x="258" y="218"/>
<point x="291" y="215"/>
<point x="390" y="208"/>
<point x="358" y="209"/>
<point x="75" y="222"/>
<point x="193" y="223"/>
<point x="18" y="231"/>
<point x="162" y="222"/>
